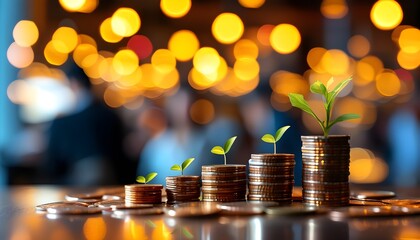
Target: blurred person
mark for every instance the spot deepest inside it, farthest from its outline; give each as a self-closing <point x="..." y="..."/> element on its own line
<point x="85" y="146"/>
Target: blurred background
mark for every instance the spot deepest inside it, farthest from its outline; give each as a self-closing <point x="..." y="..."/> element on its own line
<point x="97" y="92"/>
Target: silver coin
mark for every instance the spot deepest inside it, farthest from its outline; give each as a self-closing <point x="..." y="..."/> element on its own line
<point x="372" y="195"/>
<point x="73" y="210"/>
<point x="45" y="206"/>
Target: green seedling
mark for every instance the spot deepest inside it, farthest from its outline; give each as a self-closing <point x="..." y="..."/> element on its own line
<point x="224" y="150"/>
<point x="329" y="97"/>
<point x="149" y="177"/>
<point x="268" y="138"/>
<point x="183" y="166"/>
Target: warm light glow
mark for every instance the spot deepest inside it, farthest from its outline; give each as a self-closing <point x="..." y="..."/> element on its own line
<point x="125" y="22"/>
<point x="263" y="34"/>
<point x="409" y="61"/>
<point x="334" y="9"/>
<point x="125" y="62"/>
<point x="409" y="40"/>
<point x="131" y="81"/>
<point x="365" y="167"/>
<point x="175" y="8"/>
<point x="202" y="111"/>
<point x="227" y="28"/>
<point x="81" y="55"/>
<point x="314" y="58"/>
<point x="386" y="14"/>
<point x="65" y="39"/>
<point x="72" y="5"/>
<point x="53" y="56"/>
<point x="251" y="3"/>
<point x="245" y="48"/>
<point x="107" y="71"/>
<point x="93" y="71"/>
<point x="335" y="62"/>
<point x="206" y="60"/>
<point x="141" y="45"/>
<point x="163" y="60"/>
<point x="232" y="86"/>
<point x="200" y="81"/>
<point x="25" y="33"/>
<point x="183" y="44"/>
<point x="285" y="38"/>
<point x="113" y="98"/>
<point x="358" y="46"/>
<point x="246" y="68"/>
<point x="94" y="228"/>
<point x="388" y="83"/>
<point x="282" y="83"/>
<point x="18" y="56"/>
<point x="366" y="111"/>
<point x="308" y="121"/>
<point x="107" y="33"/>
<point x="86" y="39"/>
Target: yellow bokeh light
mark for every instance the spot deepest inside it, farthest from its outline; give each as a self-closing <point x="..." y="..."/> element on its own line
<point x="94" y="228"/>
<point x="107" y="33"/>
<point x="314" y="58"/>
<point x="131" y="80"/>
<point x="53" y="56"/>
<point x="246" y="68"/>
<point x="81" y="54"/>
<point x="364" y="74"/>
<point x="86" y="39"/>
<point x="283" y="83"/>
<point x="308" y="121"/>
<point x="65" y="39"/>
<point x="358" y="46"/>
<point x="113" y="98"/>
<point x="107" y="71"/>
<point x="368" y="170"/>
<point x="202" y="111"/>
<point x="386" y="14"/>
<point x="125" y="22"/>
<point x="206" y="60"/>
<point x="183" y="44"/>
<point x="245" y="48"/>
<point x="163" y="60"/>
<point x="409" y="40"/>
<point x="83" y="6"/>
<point x="25" y="33"/>
<point x="388" y="83"/>
<point x="232" y="86"/>
<point x="285" y="38"/>
<point x="335" y="62"/>
<point x="175" y="8"/>
<point x="251" y="3"/>
<point x="93" y="70"/>
<point x="409" y="61"/>
<point x="166" y="81"/>
<point x="365" y="110"/>
<point x="125" y="62"/>
<point x="227" y="28"/>
<point x="334" y="9"/>
<point x="18" y="56"/>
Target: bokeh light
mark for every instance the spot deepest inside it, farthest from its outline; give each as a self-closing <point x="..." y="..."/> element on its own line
<point x="83" y="6"/>
<point x="183" y="44"/>
<point x="227" y="28"/>
<point x="358" y="46"/>
<point x="202" y="111"/>
<point x="409" y="40"/>
<point x="125" y="22"/>
<point x="386" y="14"/>
<point x="388" y="83"/>
<point x="246" y="68"/>
<point x="65" y="39"/>
<point x="282" y="83"/>
<point x="107" y="33"/>
<point x="365" y="167"/>
<point x="163" y="60"/>
<point x="407" y="60"/>
<point x="25" y="33"/>
<point x="53" y="56"/>
<point x="251" y="3"/>
<point x="334" y="9"/>
<point x="141" y="45"/>
<point x="206" y="60"/>
<point x="94" y="228"/>
<point x="85" y="55"/>
<point x="335" y="62"/>
<point x="285" y="38"/>
<point x="245" y="48"/>
<point x="175" y="8"/>
<point x="18" y="56"/>
<point x="125" y="62"/>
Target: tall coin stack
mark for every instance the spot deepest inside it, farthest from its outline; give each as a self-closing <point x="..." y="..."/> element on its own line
<point x="271" y="177"/>
<point x="183" y="189"/>
<point x="223" y="183"/>
<point x="325" y="170"/>
<point x="143" y="193"/>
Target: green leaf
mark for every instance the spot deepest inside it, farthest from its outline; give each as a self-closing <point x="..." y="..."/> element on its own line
<point x="316" y="87"/>
<point x="229" y="144"/>
<point x="344" y="117"/>
<point x="280" y="132"/>
<point x="140" y="179"/>
<point x="150" y="176"/>
<point x="176" y="167"/>
<point x="218" y="150"/>
<point x="330" y="82"/>
<point x="337" y="90"/>
<point x="187" y="163"/>
<point x="268" y="138"/>
<point x="298" y="101"/>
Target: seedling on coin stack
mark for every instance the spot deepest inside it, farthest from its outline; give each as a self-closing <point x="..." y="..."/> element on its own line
<point x="325" y="158"/>
<point x="271" y="176"/>
<point x="149" y="177"/>
<point x="225" y="149"/>
<point x="182" y="188"/>
<point x="143" y="192"/>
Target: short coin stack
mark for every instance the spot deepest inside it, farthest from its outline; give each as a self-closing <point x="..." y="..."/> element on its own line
<point x="143" y="193"/>
<point x="223" y="183"/>
<point x="271" y="177"/>
<point x="182" y="189"/>
<point x="325" y="170"/>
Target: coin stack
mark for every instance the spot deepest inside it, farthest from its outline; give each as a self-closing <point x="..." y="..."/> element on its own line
<point x="182" y="189"/>
<point x="325" y="170"/>
<point x="271" y="177"/>
<point x="223" y="183"/>
<point x="143" y="193"/>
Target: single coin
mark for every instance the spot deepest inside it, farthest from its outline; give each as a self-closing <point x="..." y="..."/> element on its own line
<point x="402" y="202"/>
<point x="372" y="194"/>
<point x="73" y="210"/>
<point x="357" y="202"/>
<point x="45" y="206"/>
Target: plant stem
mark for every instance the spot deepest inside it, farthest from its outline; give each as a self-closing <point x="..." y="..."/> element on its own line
<point x="182" y="172"/>
<point x="274" y="148"/>
<point x="224" y="155"/>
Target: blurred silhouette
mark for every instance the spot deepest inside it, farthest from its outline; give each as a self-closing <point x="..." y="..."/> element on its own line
<point x="85" y="146"/>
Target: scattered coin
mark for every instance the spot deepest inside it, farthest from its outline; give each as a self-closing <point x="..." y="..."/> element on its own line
<point x="372" y="211"/>
<point x="122" y="213"/>
<point x="73" y="210"/>
<point x="143" y="193"/>
<point x="193" y="210"/>
<point x="292" y="210"/>
<point x="373" y="194"/>
<point x="245" y="208"/>
<point x="45" y="206"/>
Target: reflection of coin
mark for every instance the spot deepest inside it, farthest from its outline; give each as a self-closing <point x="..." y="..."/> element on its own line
<point x="245" y="208"/>
<point x="291" y="210"/>
<point x="402" y="202"/>
<point x="356" y="202"/>
<point x="132" y="212"/>
<point x="76" y="209"/>
<point x="44" y="207"/>
<point x="197" y="210"/>
<point x="373" y="194"/>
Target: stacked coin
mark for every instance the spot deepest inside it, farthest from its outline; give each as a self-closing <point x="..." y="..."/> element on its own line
<point x="325" y="170"/>
<point x="143" y="193"/>
<point x="223" y="183"/>
<point x="183" y="189"/>
<point x="271" y="177"/>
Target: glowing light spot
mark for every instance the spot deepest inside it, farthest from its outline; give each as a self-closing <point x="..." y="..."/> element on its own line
<point x="141" y="45"/>
<point x="25" y="33"/>
<point x="366" y="111"/>
<point x="202" y="111"/>
<point x="81" y="53"/>
<point x="388" y="83"/>
<point x="65" y="39"/>
<point x="20" y="57"/>
<point x="285" y="38"/>
<point x="358" y="46"/>
<point x="334" y="9"/>
<point x="365" y="167"/>
<point x="227" y="28"/>
<point x="175" y="8"/>
<point x="245" y="48"/>
<point x="409" y="40"/>
<point x="183" y="44"/>
<point x="314" y="58"/>
<point x="53" y="56"/>
<point x="163" y="60"/>
<point x="263" y="34"/>
<point x="94" y="228"/>
<point x="335" y="62"/>
<point x="409" y="61"/>
<point x="125" y="22"/>
<point x="386" y="14"/>
<point x="113" y="98"/>
<point x="206" y="60"/>
<point x="246" y="68"/>
<point x="125" y="62"/>
<point x="251" y="3"/>
<point x="72" y="5"/>
<point x="107" y="33"/>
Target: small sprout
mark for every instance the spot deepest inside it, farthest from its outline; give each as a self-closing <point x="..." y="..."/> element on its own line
<point x="224" y="150"/>
<point x="268" y="138"/>
<point x="317" y="87"/>
<point x="149" y="177"/>
<point x="183" y="166"/>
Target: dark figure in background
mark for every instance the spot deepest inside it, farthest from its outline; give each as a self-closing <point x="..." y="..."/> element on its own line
<point x="85" y="146"/>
